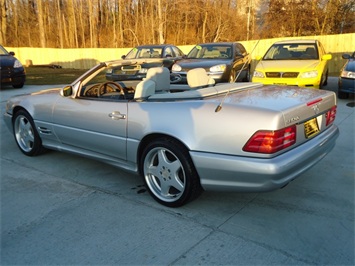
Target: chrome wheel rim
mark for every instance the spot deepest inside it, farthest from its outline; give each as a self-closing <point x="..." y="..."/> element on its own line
<point x="24" y="133"/>
<point x="164" y="174"/>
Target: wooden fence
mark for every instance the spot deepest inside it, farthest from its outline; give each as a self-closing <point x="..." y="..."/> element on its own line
<point x="85" y="58"/>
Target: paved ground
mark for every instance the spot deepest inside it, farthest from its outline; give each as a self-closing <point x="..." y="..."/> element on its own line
<point x="62" y="209"/>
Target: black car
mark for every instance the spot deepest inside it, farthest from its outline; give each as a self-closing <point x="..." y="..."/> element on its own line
<point x="346" y="82"/>
<point x="12" y="71"/>
<point x="224" y="62"/>
<point x="157" y="56"/>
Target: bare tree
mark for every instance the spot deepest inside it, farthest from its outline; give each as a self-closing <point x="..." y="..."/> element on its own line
<point x="59" y="25"/>
<point x="160" y="23"/>
<point x="41" y="27"/>
<point x="126" y="23"/>
<point x="3" y="22"/>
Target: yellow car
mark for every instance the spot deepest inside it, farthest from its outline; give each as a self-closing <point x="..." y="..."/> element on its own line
<point x="301" y="63"/>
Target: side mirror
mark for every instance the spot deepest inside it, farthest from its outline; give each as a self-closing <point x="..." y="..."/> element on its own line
<point x="345" y="56"/>
<point x="123" y="57"/>
<point x="327" y="57"/>
<point x="66" y="91"/>
<point x="12" y="53"/>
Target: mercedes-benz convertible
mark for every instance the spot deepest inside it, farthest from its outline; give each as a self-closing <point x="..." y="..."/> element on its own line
<point x="182" y="139"/>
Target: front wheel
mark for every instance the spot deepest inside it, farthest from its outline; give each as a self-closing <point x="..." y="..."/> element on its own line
<point x="342" y="95"/>
<point x="326" y="79"/>
<point x="247" y="77"/>
<point x="323" y="82"/>
<point x="18" y="86"/>
<point x="169" y="173"/>
<point x="232" y="76"/>
<point x="25" y="134"/>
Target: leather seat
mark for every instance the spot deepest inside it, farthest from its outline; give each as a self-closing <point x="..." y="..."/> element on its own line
<point x="157" y="80"/>
<point x="198" y="78"/>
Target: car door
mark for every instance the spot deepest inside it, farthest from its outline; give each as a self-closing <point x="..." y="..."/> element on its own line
<point x="240" y="58"/>
<point x="92" y="125"/>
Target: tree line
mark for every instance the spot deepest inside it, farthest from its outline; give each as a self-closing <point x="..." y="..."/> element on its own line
<point x="127" y="23"/>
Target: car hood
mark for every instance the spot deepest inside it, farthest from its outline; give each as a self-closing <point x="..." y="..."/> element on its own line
<point x="46" y="92"/>
<point x="287" y="65"/>
<point x="7" y="60"/>
<point x="204" y="63"/>
<point x="27" y="100"/>
<point x="148" y="64"/>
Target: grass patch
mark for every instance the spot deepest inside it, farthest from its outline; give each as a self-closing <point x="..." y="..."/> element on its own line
<point x="51" y="76"/>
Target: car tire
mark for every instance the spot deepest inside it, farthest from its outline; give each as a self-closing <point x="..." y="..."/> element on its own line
<point x="26" y="135"/>
<point x="247" y="76"/>
<point x="342" y="95"/>
<point x="169" y="173"/>
<point x="325" y="83"/>
<point x="18" y="86"/>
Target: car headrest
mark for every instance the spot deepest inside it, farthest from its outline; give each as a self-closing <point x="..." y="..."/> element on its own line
<point x="198" y="78"/>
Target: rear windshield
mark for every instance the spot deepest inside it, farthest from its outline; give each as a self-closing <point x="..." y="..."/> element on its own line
<point x="3" y="51"/>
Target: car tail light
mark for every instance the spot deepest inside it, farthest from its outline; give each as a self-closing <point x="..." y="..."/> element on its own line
<point x="265" y="141"/>
<point x="330" y="115"/>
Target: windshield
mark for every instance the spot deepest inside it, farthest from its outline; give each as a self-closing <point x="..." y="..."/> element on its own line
<point x="145" y="52"/>
<point x="3" y="51"/>
<point x="211" y="51"/>
<point x="301" y="51"/>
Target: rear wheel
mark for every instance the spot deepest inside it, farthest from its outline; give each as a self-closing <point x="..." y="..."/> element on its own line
<point x="169" y="173"/>
<point x="25" y="134"/>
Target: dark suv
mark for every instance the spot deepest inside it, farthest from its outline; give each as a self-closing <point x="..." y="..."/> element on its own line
<point x="12" y="71"/>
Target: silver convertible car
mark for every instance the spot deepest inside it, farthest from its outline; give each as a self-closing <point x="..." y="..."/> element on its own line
<point x="182" y="139"/>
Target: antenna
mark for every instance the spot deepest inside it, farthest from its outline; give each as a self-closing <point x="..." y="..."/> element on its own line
<point x="219" y="107"/>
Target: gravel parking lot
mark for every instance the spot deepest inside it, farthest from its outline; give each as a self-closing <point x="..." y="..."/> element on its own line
<point x="59" y="208"/>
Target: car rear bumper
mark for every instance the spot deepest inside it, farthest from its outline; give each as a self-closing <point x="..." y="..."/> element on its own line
<point x="246" y="174"/>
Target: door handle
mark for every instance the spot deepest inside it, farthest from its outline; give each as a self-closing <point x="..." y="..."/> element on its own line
<point x="116" y="115"/>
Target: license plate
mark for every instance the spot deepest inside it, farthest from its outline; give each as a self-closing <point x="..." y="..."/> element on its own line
<point x="131" y="69"/>
<point x="6" y="80"/>
<point x="311" y="128"/>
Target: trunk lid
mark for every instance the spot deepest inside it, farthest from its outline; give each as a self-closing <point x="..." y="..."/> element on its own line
<point x="311" y="110"/>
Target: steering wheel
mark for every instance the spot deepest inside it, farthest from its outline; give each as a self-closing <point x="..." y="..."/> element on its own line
<point x="114" y="88"/>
